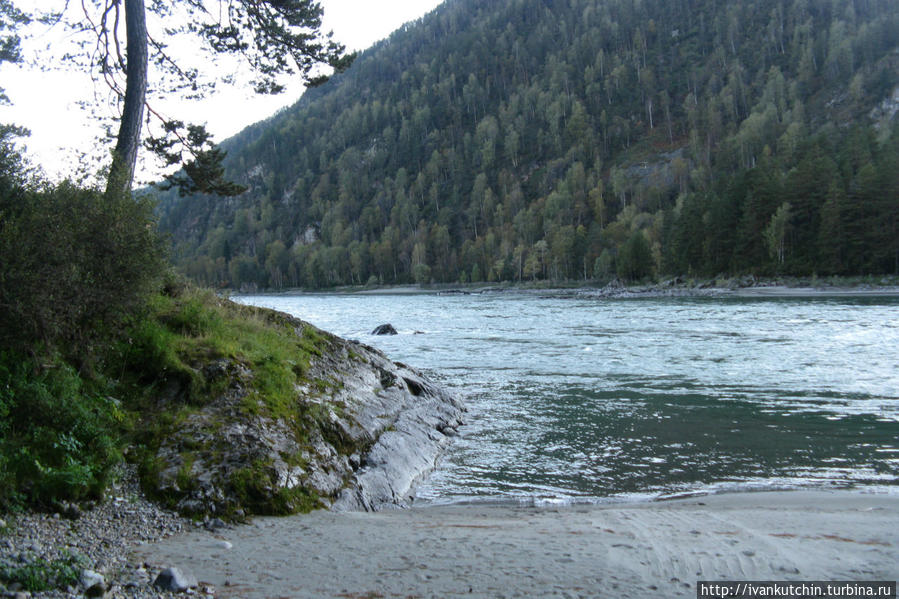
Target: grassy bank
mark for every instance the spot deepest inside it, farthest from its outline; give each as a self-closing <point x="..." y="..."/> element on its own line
<point x="64" y="427"/>
<point x="104" y="352"/>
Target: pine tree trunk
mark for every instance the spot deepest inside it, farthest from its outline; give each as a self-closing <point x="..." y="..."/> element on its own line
<point x="124" y="157"/>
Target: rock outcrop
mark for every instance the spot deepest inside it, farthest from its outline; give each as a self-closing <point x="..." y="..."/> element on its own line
<point x="360" y="433"/>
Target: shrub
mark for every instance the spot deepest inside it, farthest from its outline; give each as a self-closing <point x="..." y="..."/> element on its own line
<point x="73" y="264"/>
<point x="57" y="438"/>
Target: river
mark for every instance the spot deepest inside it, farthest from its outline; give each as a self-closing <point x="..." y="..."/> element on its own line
<point x="585" y="399"/>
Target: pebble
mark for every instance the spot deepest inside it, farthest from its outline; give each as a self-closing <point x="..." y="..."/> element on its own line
<point x="90" y="578"/>
<point x="102" y="534"/>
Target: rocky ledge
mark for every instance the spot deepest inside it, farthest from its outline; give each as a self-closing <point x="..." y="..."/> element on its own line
<point x="357" y="434"/>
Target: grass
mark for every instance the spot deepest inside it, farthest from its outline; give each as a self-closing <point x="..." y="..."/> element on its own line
<point x="252" y="485"/>
<point x="190" y="328"/>
<point x="193" y="348"/>
<point x="62" y="430"/>
<point x="44" y="575"/>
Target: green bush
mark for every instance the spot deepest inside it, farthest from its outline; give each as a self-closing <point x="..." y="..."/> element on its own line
<point x="58" y="439"/>
<point x="74" y="263"/>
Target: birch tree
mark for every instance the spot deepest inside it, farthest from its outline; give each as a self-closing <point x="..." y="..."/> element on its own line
<point x="776" y="231"/>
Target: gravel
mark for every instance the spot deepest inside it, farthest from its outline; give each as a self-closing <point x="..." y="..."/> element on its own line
<point x="104" y="536"/>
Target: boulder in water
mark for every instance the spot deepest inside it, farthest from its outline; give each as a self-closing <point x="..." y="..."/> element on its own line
<point x="384" y="329"/>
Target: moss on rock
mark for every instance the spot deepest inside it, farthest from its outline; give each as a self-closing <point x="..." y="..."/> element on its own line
<point x="246" y="410"/>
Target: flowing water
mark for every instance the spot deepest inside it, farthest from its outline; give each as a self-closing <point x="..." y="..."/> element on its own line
<point x="591" y="399"/>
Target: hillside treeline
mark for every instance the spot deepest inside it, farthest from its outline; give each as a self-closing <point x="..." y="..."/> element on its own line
<point x="535" y="139"/>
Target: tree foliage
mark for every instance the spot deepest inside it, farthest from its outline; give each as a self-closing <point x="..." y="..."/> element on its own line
<point x="73" y="265"/>
<point x="11" y="18"/>
<point x="527" y="139"/>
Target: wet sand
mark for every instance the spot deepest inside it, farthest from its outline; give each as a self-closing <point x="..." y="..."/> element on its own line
<point x="616" y="550"/>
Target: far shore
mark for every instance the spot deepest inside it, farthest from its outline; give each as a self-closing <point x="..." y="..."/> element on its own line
<point x="738" y="287"/>
<point x="649" y="549"/>
<point x="781" y="291"/>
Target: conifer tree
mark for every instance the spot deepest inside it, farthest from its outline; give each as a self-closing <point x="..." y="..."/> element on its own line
<point x="275" y="37"/>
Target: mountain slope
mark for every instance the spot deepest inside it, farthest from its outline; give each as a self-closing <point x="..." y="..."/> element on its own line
<point x="537" y="139"/>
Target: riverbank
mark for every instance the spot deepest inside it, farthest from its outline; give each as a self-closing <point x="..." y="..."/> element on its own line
<point x="621" y="550"/>
<point x="240" y="411"/>
<point x="753" y="287"/>
<point x="747" y="286"/>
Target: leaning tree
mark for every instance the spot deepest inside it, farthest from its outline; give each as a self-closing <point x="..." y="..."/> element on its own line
<point x="120" y="39"/>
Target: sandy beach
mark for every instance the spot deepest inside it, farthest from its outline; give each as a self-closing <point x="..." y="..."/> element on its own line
<point x="657" y="549"/>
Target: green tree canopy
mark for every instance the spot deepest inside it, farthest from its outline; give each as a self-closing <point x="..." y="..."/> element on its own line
<point x="577" y="124"/>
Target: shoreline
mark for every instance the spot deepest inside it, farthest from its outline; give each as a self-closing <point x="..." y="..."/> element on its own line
<point x="622" y="549"/>
<point x="630" y="548"/>
<point x="745" y="287"/>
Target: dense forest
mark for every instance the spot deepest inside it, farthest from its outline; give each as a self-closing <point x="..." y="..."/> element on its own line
<point x="574" y="139"/>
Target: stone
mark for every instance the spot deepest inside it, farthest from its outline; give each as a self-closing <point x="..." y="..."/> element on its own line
<point x="355" y="461"/>
<point x="384" y="437"/>
<point x="175" y="580"/>
<point x="89" y="578"/>
<point x="384" y="329"/>
<point x="214" y="524"/>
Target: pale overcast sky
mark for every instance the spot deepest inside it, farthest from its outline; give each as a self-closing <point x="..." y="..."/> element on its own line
<point x="46" y="103"/>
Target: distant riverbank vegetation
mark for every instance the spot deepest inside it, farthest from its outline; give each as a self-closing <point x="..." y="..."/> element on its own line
<point x="584" y="140"/>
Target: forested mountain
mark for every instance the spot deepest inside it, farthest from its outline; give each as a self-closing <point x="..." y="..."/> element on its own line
<point x="573" y="139"/>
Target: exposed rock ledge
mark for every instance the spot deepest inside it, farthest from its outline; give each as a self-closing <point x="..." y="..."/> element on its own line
<point x="370" y="429"/>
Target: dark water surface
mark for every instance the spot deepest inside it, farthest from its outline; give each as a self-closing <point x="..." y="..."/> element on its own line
<point x="579" y="399"/>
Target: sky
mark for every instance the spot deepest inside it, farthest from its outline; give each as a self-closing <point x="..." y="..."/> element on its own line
<point x="47" y="102"/>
